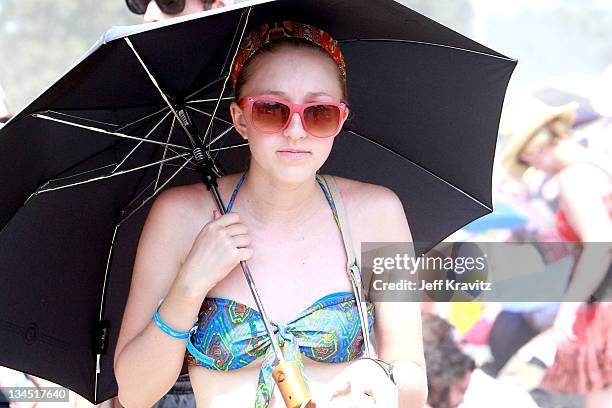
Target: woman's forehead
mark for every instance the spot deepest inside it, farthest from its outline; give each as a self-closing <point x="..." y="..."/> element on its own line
<point x="290" y="69"/>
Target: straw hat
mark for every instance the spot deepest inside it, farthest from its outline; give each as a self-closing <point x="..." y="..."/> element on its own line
<point x="521" y="121"/>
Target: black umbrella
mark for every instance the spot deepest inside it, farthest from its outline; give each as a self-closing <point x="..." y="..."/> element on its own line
<point x="80" y="165"/>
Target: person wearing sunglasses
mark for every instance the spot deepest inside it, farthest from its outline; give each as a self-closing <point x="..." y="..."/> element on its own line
<point x="156" y="10"/>
<point x="299" y="230"/>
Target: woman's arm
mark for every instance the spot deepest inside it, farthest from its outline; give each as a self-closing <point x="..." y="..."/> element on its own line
<point x="588" y="216"/>
<point x="147" y="361"/>
<point x="377" y="215"/>
<point x="398" y="324"/>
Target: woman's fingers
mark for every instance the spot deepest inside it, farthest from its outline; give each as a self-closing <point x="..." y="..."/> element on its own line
<point x="226" y="219"/>
<point x="236" y="229"/>
<point x="241" y="241"/>
<point x="244" y="254"/>
<point x="344" y="388"/>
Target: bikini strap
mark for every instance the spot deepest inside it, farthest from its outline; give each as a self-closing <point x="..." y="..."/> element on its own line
<point x="353" y="268"/>
<point x="238" y="184"/>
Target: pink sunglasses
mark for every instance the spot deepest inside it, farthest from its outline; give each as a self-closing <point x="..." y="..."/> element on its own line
<point x="271" y="115"/>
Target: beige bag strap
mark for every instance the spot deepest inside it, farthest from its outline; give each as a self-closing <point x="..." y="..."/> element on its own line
<point x="353" y="268"/>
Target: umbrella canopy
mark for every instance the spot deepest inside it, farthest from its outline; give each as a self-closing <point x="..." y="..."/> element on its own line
<point x="81" y="165"/>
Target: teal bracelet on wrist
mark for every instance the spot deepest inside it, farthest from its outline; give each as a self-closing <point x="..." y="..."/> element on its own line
<point x="169" y="330"/>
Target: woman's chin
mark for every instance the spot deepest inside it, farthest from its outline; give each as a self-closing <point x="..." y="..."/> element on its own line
<point x="294" y="174"/>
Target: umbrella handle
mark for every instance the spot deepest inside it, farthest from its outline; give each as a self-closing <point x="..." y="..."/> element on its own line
<point x="291" y="384"/>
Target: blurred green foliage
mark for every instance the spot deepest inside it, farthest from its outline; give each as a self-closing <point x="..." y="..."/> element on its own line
<point x="41" y="39"/>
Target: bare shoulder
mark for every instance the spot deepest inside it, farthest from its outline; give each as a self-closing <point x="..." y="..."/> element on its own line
<point x="186" y="209"/>
<point x="195" y="199"/>
<point x="376" y="208"/>
<point x="363" y="197"/>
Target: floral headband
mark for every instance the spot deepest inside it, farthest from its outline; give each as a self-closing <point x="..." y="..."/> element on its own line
<point x="266" y="33"/>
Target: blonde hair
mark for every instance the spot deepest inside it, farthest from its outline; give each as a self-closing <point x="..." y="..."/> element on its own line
<point x="547" y="135"/>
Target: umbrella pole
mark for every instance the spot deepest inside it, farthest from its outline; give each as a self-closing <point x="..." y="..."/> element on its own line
<point x="286" y="374"/>
<point x="210" y="180"/>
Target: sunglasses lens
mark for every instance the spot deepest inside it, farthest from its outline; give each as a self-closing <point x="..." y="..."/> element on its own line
<point x="137" y="6"/>
<point x="171" y="6"/>
<point x="322" y="120"/>
<point x="270" y="116"/>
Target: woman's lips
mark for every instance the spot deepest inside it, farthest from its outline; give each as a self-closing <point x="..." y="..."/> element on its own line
<point x="293" y="154"/>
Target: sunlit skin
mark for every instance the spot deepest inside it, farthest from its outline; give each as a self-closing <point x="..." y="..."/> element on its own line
<point x="153" y="12"/>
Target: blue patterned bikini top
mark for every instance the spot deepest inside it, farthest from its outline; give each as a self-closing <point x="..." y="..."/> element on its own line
<point x="230" y="335"/>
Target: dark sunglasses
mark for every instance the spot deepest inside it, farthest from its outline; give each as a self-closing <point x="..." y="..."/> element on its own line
<point x="166" y="6"/>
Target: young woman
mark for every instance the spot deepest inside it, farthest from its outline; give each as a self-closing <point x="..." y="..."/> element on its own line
<point x="290" y="103"/>
<point x="583" y="326"/>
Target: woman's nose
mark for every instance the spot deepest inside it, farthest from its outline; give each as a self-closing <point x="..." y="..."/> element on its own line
<point x="295" y="129"/>
<point x="153" y="13"/>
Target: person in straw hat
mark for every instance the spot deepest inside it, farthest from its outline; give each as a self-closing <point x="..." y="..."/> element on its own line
<point x="540" y="137"/>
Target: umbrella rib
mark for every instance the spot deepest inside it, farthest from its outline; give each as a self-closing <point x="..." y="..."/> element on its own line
<point x="165" y="151"/>
<point x="155" y="191"/>
<point x="424" y="43"/>
<point x="108" y="259"/>
<point x="418" y="165"/>
<point x="205" y="87"/>
<point x="79" y="174"/>
<point x="229" y="147"/>
<point x="45" y="190"/>
<point x="214" y="114"/>
<point x="98" y="130"/>
<point x="223" y="140"/>
<point x="140" y="143"/>
<point x="233" y="42"/>
<point x="155" y="182"/>
<point x="82" y="118"/>
<point x="139" y="194"/>
<point x="163" y="95"/>
<point x="220" y="135"/>
<point x="209" y="115"/>
<point x="141" y="119"/>
<point x="176" y="165"/>
<point x="228" y="98"/>
<point x="191" y="95"/>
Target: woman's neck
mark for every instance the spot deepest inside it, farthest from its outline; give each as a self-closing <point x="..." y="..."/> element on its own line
<point x="270" y="201"/>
